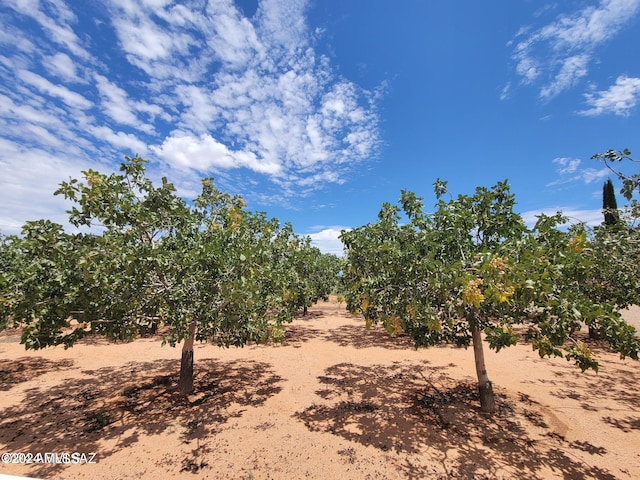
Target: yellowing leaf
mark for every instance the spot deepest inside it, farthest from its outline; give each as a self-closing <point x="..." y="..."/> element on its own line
<point x="472" y="294"/>
<point x="578" y="242"/>
<point x="364" y="303"/>
<point x="504" y="292"/>
<point x="396" y="323"/>
<point x="434" y="324"/>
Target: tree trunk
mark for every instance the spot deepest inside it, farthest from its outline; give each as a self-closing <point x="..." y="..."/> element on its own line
<point x="305" y="310"/>
<point x="185" y="384"/>
<point x="485" y="389"/>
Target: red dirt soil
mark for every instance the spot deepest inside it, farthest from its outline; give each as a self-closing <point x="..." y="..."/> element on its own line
<point x="334" y="401"/>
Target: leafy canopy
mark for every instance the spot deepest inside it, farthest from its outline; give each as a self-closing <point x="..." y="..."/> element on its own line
<point x="473" y="264"/>
<point x="156" y="259"/>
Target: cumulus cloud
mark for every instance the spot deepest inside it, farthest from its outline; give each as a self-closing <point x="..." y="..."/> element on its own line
<point x="199" y="86"/>
<point x="204" y="153"/>
<point x="619" y="99"/>
<point x="327" y="239"/>
<point x="272" y="101"/>
<point x="558" y="54"/>
<point x="62" y="66"/>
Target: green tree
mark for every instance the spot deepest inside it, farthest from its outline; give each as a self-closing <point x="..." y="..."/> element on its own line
<point x="630" y="182"/>
<point x="206" y="270"/>
<point x="316" y="275"/>
<point x="609" y="204"/>
<point x="611" y="265"/>
<point x="472" y="267"/>
<point x="613" y="252"/>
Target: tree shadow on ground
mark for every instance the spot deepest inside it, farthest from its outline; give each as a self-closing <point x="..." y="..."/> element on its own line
<point x="123" y="403"/>
<point x="417" y="413"/>
<point x="358" y="336"/>
<point x="617" y="380"/>
<point x="23" y="369"/>
<point x="310" y="315"/>
<point x="297" y="335"/>
<point x="617" y="384"/>
<point x="352" y="336"/>
<point x="627" y="424"/>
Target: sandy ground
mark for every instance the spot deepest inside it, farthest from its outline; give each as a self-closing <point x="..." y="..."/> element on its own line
<point x="334" y="401"/>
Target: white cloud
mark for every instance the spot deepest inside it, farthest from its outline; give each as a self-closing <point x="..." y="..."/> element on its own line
<point x="15" y="40"/>
<point x="198" y="85"/>
<point x="61" y="65"/>
<point x="590" y="217"/>
<point x="30" y="176"/>
<point x="572" y="69"/>
<point x="567" y="165"/>
<point x="26" y="113"/>
<point x="55" y="18"/>
<point x="283" y="23"/>
<point x="146" y="42"/>
<point x="200" y="111"/>
<point x="569" y="172"/>
<point x="205" y="153"/>
<point x="273" y="104"/>
<point x="558" y="54"/>
<point x="590" y="175"/>
<point x="117" y="104"/>
<point x="233" y="38"/>
<point x="504" y="94"/>
<point x="619" y="99"/>
<point x="125" y="142"/>
<point x="327" y="239"/>
<point x="72" y="99"/>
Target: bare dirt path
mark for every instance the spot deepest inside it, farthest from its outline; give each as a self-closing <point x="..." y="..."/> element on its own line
<point x="334" y="401"/>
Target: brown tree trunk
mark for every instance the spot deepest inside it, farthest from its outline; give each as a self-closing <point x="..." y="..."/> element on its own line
<point x="485" y="389"/>
<point x="185" y="384"/>
<point x="305" y="310"/>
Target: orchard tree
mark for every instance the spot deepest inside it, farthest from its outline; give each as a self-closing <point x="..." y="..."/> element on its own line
<point x="615" y="252"/>
<point x="614" y="248"/>
<point x="332" y="270"/>
<point x="630" y="182"/>
<point x="609" y="269"/>
<point x="473" y="267"/>
<point x="207" y="270"/>
<point x="317" y="275"/>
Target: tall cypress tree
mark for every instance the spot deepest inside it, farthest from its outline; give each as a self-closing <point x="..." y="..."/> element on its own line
<point x="609" y="204"/>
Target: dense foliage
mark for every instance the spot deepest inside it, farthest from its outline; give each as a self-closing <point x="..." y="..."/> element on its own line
<point x="473" y="266"/>
<point x="316" y="273"/>
<point x="206" y="270"/>
<point x="612" y="253"/>
<point x="211" y="270"/>
<point x="630" y="182"/>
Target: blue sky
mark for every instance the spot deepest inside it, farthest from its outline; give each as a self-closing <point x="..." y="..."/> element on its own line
<point x="318" y="111"/>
